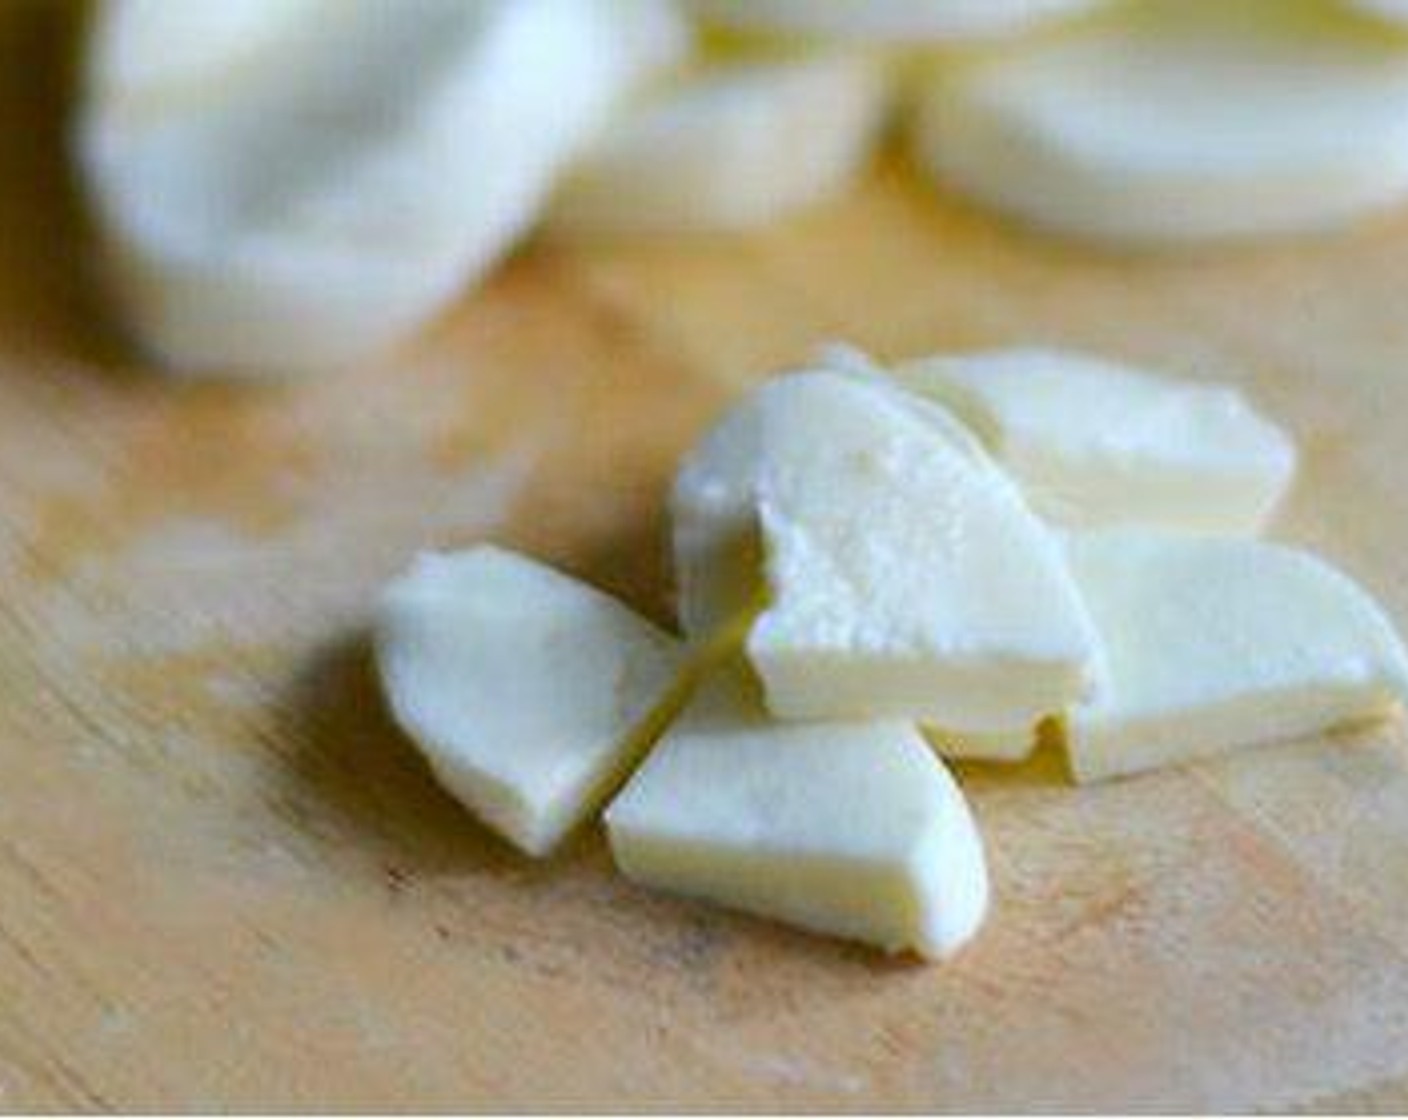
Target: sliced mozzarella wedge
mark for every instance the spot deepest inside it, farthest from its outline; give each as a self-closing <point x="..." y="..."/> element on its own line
<point x="731" y="148"/>
<point x="1213" y="644"/>
<point x="887" y="19"/>
<point x="1096" y="443"/>
<point x="905" y="576"/>
<point x="531" y="694"/>
<point x="714" y="503"/>
<point x="1186" y="120"/>
<point x="855" y="830"/>
<point x="326" y="198"/>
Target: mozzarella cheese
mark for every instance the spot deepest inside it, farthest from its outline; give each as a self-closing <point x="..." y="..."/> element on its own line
<point x="892" y="20"/>
<point x="1213" y="644"/>
<point x="362" y="164"/>
<point x="855" y="830"/>
<point x="907" y="577"/>
<point x="732" y="148"/>
<point x="1095" y="443"/>
<point x="530" y="694"/>
<point x="714" y="527"/>
<point x="718" y="550"/>
<point x="147" y="49"/>
<point x="1183" y="120"/>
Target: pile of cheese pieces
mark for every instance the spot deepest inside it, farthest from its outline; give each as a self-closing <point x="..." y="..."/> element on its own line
<point x="291" y="185"/>
<point x="876" y="569"/>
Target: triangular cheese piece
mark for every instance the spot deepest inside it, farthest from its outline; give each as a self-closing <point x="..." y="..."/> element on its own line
<point x="531" y="694"/>
<point x="1217" y="643"/>
<point x="855" y="830"/>
<point x="906" y="576"/>
<point x="1095" y="443"/>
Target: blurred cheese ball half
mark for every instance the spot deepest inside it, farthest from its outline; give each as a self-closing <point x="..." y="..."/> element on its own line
<point x="1394" y="11"/>
<point x="887" y="20"/>
<point x="361" y="164"/>
<point x="1184" y="120"/>
<point x="145" y="48"/>
<point x="733" y="147"/>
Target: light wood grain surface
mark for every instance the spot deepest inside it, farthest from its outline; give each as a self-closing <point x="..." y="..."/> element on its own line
<point x="225" y="882"/>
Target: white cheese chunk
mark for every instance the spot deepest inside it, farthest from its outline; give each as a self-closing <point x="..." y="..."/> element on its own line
<point x="713" y="519"/>
<point x="530" y="693"/>
<point x="362" y="163"/>
<point x="713" y="506"/>
<point x="731" y="148"/>
<point x="149" y="49"/>
<point x="1213" y="644"/>
<point x="855" y="830"/>
<point x="889" y="20"/>
<point x="907" y="577"/>
<point x="1178" y="121"/>
<point x="1095" y="443"/>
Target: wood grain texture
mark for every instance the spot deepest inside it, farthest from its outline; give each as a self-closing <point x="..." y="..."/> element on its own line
<point x="226" y="883"/>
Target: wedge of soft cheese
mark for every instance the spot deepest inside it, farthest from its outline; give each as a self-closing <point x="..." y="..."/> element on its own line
<point x="733" y="147"/>
<point x="855" y="830"/>
<point x="1095" y="443"/>
<point x="906" y="576"/>
<point x="530" y="693"/>
<point x="1178" y="121"/>
<point x="325" y="177"/>
<point x="714" y="503"/>
<point x="1216" y="643"/>
<point x="888" y="20"/>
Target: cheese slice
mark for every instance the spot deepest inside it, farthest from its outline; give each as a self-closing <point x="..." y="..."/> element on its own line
<point x="731" y="148"/>
<point x="906" y="576"/>
<point x="1095" y="443"/>
<point x="1215" y="643"/>
<point x="361" y="165"/>
<point x="1178" y="121"/>
<point x="854" y="830"/>
<point x="888" y="20"/>
<point x="530" y="693"/>
<point x="990" y="745"/>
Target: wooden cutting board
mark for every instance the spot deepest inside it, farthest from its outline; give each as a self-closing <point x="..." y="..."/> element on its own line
<point x="226" y="883"/>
